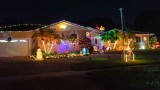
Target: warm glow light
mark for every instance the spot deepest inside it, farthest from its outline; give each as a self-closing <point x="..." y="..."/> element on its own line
<point x="144" y="38"/>
<point x="87" y="34"/>
<point x="128" y="54"/>
<point x="102" y="28"/>
<point x="115" y="44"/>
<point x="39" y="55"/>
<point x="95" y="48"/>
<point x="63" y="26"/>
<point x="43" y="45"/>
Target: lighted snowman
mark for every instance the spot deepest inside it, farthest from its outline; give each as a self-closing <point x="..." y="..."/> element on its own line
<point x="39" y="55"/>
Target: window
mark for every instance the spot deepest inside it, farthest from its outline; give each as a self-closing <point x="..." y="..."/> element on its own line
<point x="95" y="41"/>
<point x="138" y="39"/>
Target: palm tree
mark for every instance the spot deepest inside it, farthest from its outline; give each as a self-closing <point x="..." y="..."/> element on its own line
<point x="111" y="37"/>
<point x="47" y="37"/>
<point x="116" y="36"/>
<point x="106" y="38"/>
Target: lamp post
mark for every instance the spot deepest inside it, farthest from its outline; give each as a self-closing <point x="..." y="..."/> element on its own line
<point x="121" y="13"/>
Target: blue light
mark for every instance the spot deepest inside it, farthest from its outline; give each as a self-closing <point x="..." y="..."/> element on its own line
<point x="84" y="51"/>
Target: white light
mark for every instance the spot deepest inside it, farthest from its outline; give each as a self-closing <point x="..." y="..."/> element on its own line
<point x="14" y="41"/>
<point x="63" y="26"/>
<point x="23" y="40"/>
<point x="3" y="41"/>
<point x="143" y="47"/>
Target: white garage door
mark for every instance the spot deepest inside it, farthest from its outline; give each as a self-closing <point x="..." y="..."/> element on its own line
<point x="17" y="47"/>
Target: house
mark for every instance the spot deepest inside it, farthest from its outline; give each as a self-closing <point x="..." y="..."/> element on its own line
<point x="65" y="29"/>
<point x="21" y="43"/>
<point x="140" y="40"/>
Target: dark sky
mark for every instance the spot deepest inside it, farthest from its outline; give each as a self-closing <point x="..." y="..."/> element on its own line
<point x="48" y="11"/>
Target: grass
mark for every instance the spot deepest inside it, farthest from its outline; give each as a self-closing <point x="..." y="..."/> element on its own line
<point x="97" y="63"/>
<point x="142" y="57"/>
<point x="99" y="58"/>
<point x="130" y="78"/>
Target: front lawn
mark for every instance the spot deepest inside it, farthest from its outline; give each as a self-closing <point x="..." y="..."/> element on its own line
<point x="112" y="63"/>
<point x="130" y="78"/>
<point x="112" y="59"/>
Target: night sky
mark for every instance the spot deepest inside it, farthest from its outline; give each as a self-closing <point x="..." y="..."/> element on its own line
<point x="49" y="11"/>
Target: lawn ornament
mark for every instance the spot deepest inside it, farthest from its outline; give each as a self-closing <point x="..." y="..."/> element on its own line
<point x="39" y="55"/>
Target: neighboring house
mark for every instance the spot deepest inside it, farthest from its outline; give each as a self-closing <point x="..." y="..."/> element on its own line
<point x="14" y="43"/>
<point x="142" y="38"/>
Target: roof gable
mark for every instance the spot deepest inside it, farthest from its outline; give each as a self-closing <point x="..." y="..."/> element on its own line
<point x="69" y="26"/>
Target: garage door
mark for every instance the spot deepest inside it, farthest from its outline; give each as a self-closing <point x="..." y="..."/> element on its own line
<point x="16" y="47"/>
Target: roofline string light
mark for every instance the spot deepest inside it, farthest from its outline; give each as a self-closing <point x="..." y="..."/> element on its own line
<point x="16" y="25"/>
<point x="43" y="26"/>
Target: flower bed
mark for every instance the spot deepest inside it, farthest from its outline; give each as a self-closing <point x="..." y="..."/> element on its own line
<point x="54" y="56"/>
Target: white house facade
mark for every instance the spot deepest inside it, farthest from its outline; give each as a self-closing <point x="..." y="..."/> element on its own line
<point x="15" y="43"/>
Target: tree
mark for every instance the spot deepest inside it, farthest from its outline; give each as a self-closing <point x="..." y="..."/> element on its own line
<point x="111" y="37"/>
<point x="47" y="37"/>
<point x="152" y="41"/>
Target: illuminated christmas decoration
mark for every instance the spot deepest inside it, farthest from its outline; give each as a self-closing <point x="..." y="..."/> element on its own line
<point x="95" y="48"/>
<point x="10" y="27"/>
<point x="39" y="55"/>
<point x="87" y="34"/>
<point x="43" y="26"/>
<point x="128" y="53"/>
<point x="3" y="41"/>
<point x="100" y="28"/>
<point x="84" y="51"/>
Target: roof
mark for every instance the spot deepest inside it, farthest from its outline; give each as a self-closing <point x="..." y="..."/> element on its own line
<point x="72" y="24"/>
<point x="135" y="32"/>
<point x="20" y="27"/>
<point x="31" y="27"/>
<point x="139" y="32"/>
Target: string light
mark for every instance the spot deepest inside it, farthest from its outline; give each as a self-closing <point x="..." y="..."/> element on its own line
<point x="43" y="26"/>
<point x="18" y="25"/>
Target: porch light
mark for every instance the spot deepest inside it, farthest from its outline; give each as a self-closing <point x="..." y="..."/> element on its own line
<point x="63" y="26"/>
<point x="144" y="38"/>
